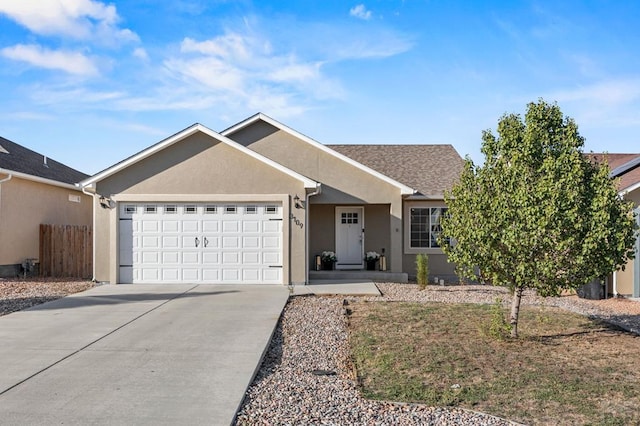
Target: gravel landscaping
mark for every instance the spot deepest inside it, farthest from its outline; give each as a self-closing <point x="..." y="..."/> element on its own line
<point x="307" y="376"/>
<point x="16" y="295"/>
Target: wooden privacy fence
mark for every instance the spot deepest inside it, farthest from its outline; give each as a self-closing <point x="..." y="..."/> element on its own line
<point x="66" y="251"/>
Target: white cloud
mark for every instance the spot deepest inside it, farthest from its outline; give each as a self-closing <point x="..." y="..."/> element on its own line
<point x="140" y="53"/>
<point x="609" y="93"/>
<point x="360" y="12"/>
<point x="79" y="19"/>
<point x="71" y="62"/>
<point x="242" y="69"/>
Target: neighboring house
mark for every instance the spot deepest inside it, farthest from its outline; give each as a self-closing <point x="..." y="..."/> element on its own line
<point x="34" y="190"/>
<point x="257" y="202"/>
<point x="626" y="168"/>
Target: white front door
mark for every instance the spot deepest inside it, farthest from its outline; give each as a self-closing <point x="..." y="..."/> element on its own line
<point x="349" y="236"/>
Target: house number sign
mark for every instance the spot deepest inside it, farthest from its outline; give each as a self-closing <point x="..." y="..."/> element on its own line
<point x="295" y="220"/>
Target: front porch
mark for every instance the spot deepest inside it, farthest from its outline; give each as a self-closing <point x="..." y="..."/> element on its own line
<point x="357" y="275"/>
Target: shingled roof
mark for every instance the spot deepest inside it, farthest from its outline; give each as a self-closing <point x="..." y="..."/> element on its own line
<point x="17" y="158"/>
<point x="429" y="169"/>
<point x="622" y="166"/>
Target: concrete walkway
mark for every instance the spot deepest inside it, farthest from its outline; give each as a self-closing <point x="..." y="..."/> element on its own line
<point x="335" y="287"/>
<point x="136" y="354"/>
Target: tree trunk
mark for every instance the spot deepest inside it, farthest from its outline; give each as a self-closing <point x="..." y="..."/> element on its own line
<point x="515" y="311"/>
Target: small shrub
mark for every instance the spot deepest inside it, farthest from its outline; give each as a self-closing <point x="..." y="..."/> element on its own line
<point x="422" y="270"/>
<point x="498" y="328"/>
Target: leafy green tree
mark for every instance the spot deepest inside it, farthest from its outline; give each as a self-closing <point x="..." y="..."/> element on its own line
<point x="538" y="214"/>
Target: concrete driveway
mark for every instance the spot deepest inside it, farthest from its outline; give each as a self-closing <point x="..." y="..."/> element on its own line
<point x="136" y="354"/>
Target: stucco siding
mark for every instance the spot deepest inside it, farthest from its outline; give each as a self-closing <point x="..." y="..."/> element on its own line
<point x="24" y="205"/>
<point x="342" y="183"/>
<point x="199" y="168"/>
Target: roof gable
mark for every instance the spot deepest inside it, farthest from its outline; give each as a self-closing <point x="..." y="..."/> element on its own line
<point x="176" y="138"/>
<point x="17" y="159"/>
<point x="405" y="189"/>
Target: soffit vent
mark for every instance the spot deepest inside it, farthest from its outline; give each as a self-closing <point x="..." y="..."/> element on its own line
<point x="2" y="150"/>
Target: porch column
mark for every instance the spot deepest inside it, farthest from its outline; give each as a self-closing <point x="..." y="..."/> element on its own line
<point x="395" y="236"/>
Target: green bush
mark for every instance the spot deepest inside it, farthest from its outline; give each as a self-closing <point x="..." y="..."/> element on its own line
<point x="422" y="270"/>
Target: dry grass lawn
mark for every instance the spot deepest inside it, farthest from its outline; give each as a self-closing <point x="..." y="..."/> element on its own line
<point x="564" y="368"/>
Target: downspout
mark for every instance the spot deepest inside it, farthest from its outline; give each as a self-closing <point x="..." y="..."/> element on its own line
<point x="93" y="211"/>
<point x="306" y="236"/>
<point x="615" y="283"/>
<point x="7" y="179"/>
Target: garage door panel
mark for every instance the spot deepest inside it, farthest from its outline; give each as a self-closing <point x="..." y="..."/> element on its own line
<point x="198" y="242"/>
<point x="251" y="258"/>
<point x="151" y="258"/>
<point x="230" y="258"/>
<point x="150" y="274"/>
<point x="190" y="258"/>
<point x="150" y="242"/>
<point x="251" y="242"/>
<point x="170" y="226"/>
<point x="230" y="242"/>
<point x="191" y="274"/>
<point x="230" y="226"/>
<point x="150" y="225"/>
<point x="190" y="226"/>
<point x="250" y="226"/>
<point x="211" y="275"/>
<point x="272" y="275"/>
<point x="211" y="226"/>
<point x="251" y="274"/>
<point x="171" y="274"/>
<point x="271" y="242"/>
<point x="170" y="242"/>
<point x="171" y="257"/>
<point x="272" y="226"/>
<point x="271" y="258"/>
<point x="231" y="275"/>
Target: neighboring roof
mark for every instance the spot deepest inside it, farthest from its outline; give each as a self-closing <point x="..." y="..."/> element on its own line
<point x="404" y="188"/>
<point x="195" y="128"/>
<point x="15" y="158"/>
<point x="622" y="166"/>
<point x="430" y="169"/>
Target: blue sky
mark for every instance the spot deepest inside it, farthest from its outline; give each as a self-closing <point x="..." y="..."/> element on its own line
<point x="89" y="83"/>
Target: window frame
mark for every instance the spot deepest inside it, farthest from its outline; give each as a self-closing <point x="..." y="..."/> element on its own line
<point x="408" y="248"/>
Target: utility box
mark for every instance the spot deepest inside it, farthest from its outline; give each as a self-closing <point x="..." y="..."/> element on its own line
<point x="595" y="290"/>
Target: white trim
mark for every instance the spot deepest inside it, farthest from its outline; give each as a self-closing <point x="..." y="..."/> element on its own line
<point x="628" y="189"/>
<point x="406" y="214"/>
<point x="39" y="179"/>
<point x="308" y="183"/>
<point x="404" y="190"/>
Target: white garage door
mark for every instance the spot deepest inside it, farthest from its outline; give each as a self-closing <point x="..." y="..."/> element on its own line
<point x="200" y="243"/>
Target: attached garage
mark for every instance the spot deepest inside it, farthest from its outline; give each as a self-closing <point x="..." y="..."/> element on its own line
<point x="212" y="243"/>
<point x="199" y="208"/>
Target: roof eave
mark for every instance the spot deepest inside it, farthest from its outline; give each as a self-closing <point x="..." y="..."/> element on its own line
<point x="39" y="179"/>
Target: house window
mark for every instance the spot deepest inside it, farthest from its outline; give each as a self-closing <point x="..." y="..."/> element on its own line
<point x="250" y="210"/>
<point x="271" y="209"/>
<point x="170" y="209"/>
<point x="230" y="209"/>
<point x="190" y="209"/>
<point x="150" y="208"/>
<point x="211" y="209"/>
<point x="349" y="218"/>
<point x="130" y="209"/>
<point x="425" y="226"/>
